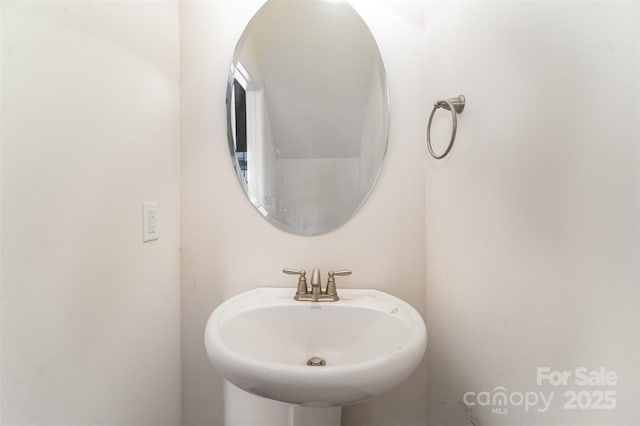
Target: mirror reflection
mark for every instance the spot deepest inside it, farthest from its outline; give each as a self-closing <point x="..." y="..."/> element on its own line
<point x="307" y="113"/>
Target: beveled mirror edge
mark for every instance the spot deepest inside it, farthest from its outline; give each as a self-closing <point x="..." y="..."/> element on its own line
<point x="230" y="140"/>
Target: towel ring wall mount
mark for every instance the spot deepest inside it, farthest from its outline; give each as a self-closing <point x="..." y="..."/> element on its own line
<point x="456" y="106"/>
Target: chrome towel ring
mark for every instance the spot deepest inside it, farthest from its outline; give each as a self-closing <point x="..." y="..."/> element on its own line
<point x="456" y="106"/>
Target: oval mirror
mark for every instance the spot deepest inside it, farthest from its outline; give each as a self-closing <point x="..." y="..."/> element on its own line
<point x="307" y="113"/>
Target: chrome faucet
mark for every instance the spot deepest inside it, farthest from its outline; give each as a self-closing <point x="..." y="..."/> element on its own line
<point x="317" y="294"/>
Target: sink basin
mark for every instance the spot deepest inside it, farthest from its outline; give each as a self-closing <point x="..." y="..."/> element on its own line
<point x="361" y="346"/>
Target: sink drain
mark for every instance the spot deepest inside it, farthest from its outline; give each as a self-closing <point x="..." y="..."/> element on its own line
<point x="316" y="361"/>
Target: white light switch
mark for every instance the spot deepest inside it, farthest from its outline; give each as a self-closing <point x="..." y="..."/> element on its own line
<point x="149" y="221"/>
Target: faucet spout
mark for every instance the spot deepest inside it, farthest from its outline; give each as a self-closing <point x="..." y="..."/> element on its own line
<point x="315" y="276"/>
<point x="315" y="282"/>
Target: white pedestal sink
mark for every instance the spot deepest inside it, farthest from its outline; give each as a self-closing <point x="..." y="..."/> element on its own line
<point x="368" y="343"/>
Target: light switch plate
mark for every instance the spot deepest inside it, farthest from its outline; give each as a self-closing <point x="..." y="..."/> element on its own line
<point x="150" y="230"/>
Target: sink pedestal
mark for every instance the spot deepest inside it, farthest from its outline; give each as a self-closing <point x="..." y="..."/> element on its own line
<point x="313" y="416"/>
<point x="242" y="408"/>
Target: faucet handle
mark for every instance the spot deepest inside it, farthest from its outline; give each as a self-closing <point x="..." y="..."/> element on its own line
<point x="331" y="282"/>
<point x="302" y="280"/>
<point x="292" y="271"/>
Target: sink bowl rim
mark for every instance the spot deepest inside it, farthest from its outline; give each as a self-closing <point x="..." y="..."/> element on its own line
<point x="282" y="296"/>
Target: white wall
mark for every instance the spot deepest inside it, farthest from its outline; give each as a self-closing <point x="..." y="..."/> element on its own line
<point x="533" y="223"/>
<point x="90" y="315"/>
<point x="227" y="247"/>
